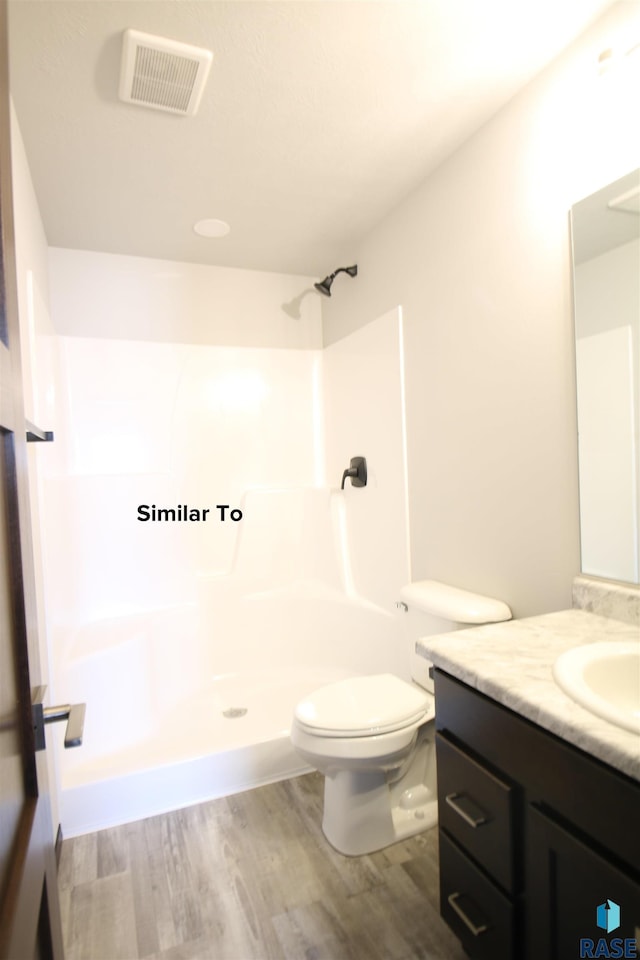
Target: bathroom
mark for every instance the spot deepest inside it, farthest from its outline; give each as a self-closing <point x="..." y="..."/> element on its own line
<point x="462" y="304"/>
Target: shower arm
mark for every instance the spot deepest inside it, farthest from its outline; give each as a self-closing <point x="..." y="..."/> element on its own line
<point x="341" y="270"/>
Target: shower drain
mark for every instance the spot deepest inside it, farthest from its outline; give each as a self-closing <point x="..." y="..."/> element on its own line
<point x="234" y="712"/>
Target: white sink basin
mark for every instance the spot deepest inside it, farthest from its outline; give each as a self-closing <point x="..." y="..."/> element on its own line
<point x="605" y="679"/>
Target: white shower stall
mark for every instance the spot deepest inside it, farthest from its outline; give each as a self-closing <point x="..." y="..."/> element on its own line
<point x="192" y="640"/>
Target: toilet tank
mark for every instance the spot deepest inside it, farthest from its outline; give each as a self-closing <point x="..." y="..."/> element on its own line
<point x="433" y="608"/>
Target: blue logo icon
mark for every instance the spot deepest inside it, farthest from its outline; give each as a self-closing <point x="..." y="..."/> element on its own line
<point x="608" y="916"/>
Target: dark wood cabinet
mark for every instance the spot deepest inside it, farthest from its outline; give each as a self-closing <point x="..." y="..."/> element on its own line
<point x="535" y="835"/>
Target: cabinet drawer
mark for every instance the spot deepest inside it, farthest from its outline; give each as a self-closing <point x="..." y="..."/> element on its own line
<point x="477" y="912"/>
<point x="476" y="809"/>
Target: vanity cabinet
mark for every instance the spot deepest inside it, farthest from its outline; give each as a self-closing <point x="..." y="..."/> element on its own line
<point x="534" y="834"/>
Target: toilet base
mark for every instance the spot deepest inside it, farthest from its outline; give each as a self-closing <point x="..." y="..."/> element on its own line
<point x="364" y="812"/>
<point x="408" y="822"/>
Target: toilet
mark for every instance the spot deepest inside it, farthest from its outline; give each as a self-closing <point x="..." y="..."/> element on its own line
<point x="372" y="737"/>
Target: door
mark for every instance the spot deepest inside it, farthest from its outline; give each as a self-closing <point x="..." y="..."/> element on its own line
<point x="29" y="908"/>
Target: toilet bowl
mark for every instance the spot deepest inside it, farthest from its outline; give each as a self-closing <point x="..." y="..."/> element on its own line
<point x="373" y="736"/>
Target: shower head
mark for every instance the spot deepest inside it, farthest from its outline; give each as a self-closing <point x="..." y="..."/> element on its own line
<point x="324" y="286"/>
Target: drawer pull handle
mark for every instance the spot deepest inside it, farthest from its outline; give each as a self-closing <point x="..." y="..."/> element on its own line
<point x="454" y="801"/>
<point x="475" y="928"/>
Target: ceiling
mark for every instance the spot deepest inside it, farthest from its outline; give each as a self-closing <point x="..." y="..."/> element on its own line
<point x="318" y="117"/>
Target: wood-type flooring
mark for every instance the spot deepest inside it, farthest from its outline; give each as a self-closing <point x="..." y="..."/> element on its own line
<point x="249" y="877"/>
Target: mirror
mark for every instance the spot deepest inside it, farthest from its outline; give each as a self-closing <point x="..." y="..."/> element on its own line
<point x="605" y="230"/>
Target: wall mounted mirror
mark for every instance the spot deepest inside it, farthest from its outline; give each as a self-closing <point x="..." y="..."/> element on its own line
<point x="605" y="230"/>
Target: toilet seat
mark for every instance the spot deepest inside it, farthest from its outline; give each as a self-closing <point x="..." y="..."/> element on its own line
<point x="363" y="707"/>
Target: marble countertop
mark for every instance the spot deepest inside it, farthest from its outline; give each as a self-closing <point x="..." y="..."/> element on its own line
<point x="512" y="663"/>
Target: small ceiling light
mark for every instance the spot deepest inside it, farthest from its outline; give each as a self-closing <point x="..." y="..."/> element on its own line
<point x="211" y="228"/>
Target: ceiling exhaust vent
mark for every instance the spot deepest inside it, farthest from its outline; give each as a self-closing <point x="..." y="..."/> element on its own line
<point x="163" y="74"/>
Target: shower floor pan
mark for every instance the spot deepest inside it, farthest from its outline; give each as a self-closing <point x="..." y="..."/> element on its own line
<point x="232" y="736"/>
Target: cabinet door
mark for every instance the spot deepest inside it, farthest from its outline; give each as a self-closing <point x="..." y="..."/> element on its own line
<point x="567" y="881"/>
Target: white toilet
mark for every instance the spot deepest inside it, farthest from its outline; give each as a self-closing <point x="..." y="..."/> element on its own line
<point x="373" y="736"/>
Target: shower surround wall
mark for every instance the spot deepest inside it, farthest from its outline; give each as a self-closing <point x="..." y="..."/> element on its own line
<point x="191" y="641"/>
<point x="160" y="425"/>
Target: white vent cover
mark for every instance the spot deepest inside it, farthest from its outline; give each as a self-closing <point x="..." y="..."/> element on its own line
<point x="163" y="74"/>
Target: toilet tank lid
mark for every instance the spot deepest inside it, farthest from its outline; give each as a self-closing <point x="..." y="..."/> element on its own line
<point x="454" y="604"/>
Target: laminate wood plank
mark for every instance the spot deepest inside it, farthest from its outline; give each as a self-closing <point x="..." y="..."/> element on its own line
<point x="194" y="950"/>
<point x="181" y="879"/>
<point x="147" y="932"/>
<point x="283" y="871"/>
<point x="397" y="921"/>
<point x="64" y="896"/>
<point x="175" y="854"/>
<point x="112" y="851"/>
<point x="78" y="861"/>
<point x="369" y="917"/>
<point x="314" y="933"/>
<point x="103" y="921"/>
<point x="206" y="892"/>
<point x="247" y="889"/>
<point x="152" y="865"/>
<point x="300" y="881"/>
<point x="187" y="915"/>
<point x="203" y="842"/>
<point x="424" y="874"/>
<point x="255" y="820"/>
<point x="405" y="907"/>
<point x="236" y="924"/>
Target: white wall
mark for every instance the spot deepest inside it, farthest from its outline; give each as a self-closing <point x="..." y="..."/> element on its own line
<point x="139" y="298"/>
<point x="479" y="259"/>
